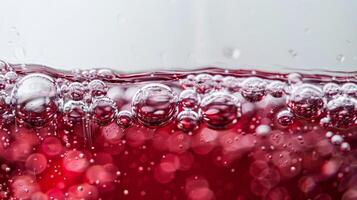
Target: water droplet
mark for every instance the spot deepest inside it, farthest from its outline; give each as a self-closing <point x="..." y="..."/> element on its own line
<point x="340" y="58"/>
<point x="292" y="53"/>
<point x="233" y="53"/>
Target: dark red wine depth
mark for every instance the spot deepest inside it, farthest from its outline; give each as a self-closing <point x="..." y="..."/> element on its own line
<point x="199" y="135"/>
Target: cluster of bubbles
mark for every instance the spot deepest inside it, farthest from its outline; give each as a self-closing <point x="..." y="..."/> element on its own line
<point x="215" y="100"/>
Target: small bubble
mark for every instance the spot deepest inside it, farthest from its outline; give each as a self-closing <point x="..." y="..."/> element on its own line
<point x="126" y="192"/>
<point x="336" y="139"/>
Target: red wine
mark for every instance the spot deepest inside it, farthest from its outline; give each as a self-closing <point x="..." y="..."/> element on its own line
<point x="199" y="135"/>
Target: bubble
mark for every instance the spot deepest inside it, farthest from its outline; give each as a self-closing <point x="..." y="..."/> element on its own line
<point x="75" y="110"/>
<point x="4" y="103"/>
<point x="231" y="84"/>
<point x="276" y="88"/>
<point x="204" y="83"/>
<point x="124" y="119"/>
<point x="188" y="82"/>
<point x="103" y="110"/>
<point x="331" y="89"/>
<point x="97" y="88"/>
<point x="306" y="101"/>
<point x="73" y="162"/>
<point x="154" y="104"/>
<point x="36" y="98"/>
<point x="349" y="89"/>
<point x="84" y="191"/>
<point x="2" y="82"/>
<point x="11" y="77"/>
<point x="219" y="110"/>
<point x="342" y="111"/>
<point x="285" y="118"/>
<point x="253" y="89"/>
<point x="336" y="139"/>
<point x="345" y="146"/>
<point x="188" y="120"/>
<point x="294" y="78"/>
<point x="189" y="99"/>
<point x="76" y="91"/>
<point x="36" y="163"/>
<point x="263" y="130"/>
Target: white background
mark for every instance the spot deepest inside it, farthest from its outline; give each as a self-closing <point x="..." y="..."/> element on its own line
<point x="138" y="35"/>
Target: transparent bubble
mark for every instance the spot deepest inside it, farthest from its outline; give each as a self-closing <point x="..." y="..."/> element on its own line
<point x="76" y="91"/>
<point x="188" y="120"/>
<point x="306" y="101"/>
<point x="276" y="88"/>
<point x="11" y="77"/>
<point x="124" y="119"/>
<point x="97" y="88"/>
<point x="189" y="99"/>
<point x="285" y="118"/>
<point x="154" y="104"/>
<point x="231" y="84"/>
<point x="253" y="89"/>
<point x="294" y="78"/>
<point x="342" y="111"/>
<point x="219" y="110"/>
<point x="188" y="82"/>
<point x="36" y="99"/>
<point x="75" y="111"/>
<point x="103" y="110"/>
<point x="349" y="89"/>
<point x="204" y="83"/>
<point x="331" y="89"/>
<point x="4" y="103"/>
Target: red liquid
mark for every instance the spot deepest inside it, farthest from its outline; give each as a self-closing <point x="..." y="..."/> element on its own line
<point x="206" y="134"/>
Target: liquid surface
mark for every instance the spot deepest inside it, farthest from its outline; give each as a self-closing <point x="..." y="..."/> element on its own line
<point x="199" y="135"/>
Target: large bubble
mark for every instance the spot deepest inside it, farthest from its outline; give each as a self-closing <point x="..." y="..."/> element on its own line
<point x="154" y="104"/>
<point x="35" y="96"/>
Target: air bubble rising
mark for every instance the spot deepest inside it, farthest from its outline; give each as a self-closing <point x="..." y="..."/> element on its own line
<point x="219" y="110"/>
<point x="342" y="111"/>
<point x="189" y="99"/>
<point x="188" y="120"/>
<point x="306" y="101"/>
<point x="36" y="99"/>
<point x="155" y="104"/>
<point x="253" y="89"/>
<point x="103" y="110"/>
